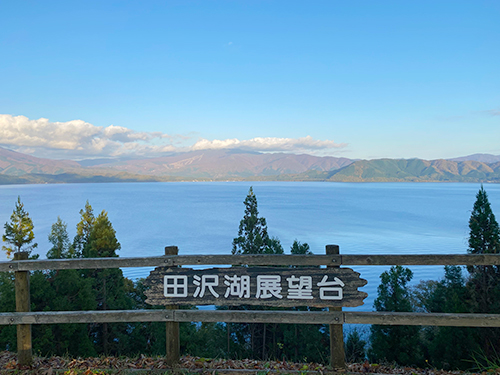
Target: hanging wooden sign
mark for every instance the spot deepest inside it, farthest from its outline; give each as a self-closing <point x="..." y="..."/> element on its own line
<point x="265" y="286"/>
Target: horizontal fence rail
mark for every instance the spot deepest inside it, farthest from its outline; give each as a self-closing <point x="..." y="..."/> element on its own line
<point x="254" y="260"/>
<point x="172" y="315"/>
<point x="287" y="317"/>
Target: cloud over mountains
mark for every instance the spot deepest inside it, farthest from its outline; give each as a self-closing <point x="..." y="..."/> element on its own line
<point x="77" y="139"/>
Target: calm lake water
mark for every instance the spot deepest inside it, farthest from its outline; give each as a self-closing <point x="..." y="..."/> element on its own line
<point x="203" y="218"/>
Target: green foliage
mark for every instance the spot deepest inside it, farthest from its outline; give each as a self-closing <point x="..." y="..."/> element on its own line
<point x="484" y="282"/>
<point x="298" y="248"/>
<point x="83" y="229"/>
<point x="446" y="347"/>
<point x="8" y="338"/>
<point x="252" y="233"/>
<point x="102" y="241"/>
<point x="19" y="231"/>
<point x="400" y="344"/>
<point x="273" y="246"/>
<point x="484" y="237"/>
<point x="354" y="347"/>
<point x="59" y="238"/>
<point x="261" y="340"/>
<point x="97" y="238"/>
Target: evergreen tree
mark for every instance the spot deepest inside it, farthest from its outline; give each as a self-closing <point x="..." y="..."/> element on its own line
<point x="8" y="335"/>
<point x="484" y="238"/>
<point x="83" y="229"/>
<point x="259" y="340"/>
<point x="354" y="347"/>
<point x="19" y="231"/>
<point x="300" y="248"/>
<point x="398" y="344"/>
<point x="112" y="291"/>
<point x="62" y="290"/>
<point x="59" y="238"/>
<point x="252" y="234"/>
<point x="484" y="282"/>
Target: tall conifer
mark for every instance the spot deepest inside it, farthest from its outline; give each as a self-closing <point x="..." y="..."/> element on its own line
<point x="19" y="231"/>
<point x="484" y="283"/>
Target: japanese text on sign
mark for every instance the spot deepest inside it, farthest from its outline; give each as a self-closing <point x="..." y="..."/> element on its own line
<point x="267" y="286"/>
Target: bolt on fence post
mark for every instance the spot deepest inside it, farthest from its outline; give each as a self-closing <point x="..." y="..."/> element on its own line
<point x="173" y="345"/>
<point x="23" y="304"/>
<point x="337" y="353"/>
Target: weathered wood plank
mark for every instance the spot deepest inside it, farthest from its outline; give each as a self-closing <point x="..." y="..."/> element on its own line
<point x="422" y="260"/>
<point x="280" y="316"/>
<point x="109" y="316"/>
<point x="422" y="319"/>
<point x="253" y="260"/>
<point x="278" y="287"/>
<point x="62" y="317"/>
<point x="295" y="317"/>
<point x="170" y="260"/>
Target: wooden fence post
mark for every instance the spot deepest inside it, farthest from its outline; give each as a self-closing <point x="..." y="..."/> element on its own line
<point x="23" y="304"/>
<point x="173" y="336"/>
<point x="337" y="354"/>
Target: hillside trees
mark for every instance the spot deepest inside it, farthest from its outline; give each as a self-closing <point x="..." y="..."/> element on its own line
<point x="62" y="290"/>
<point x="95" y="238"/>
<point x="447" y="347"/>
<point x="398" y="344"/>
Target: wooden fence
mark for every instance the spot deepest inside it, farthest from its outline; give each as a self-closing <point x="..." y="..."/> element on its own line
<point x="335" y="317"/>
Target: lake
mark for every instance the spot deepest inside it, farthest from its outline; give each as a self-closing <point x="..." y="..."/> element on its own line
<point x="203" y="217"/>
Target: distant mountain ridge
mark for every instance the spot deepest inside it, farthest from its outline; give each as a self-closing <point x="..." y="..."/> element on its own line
<point x="417" y="170"/>
<point x="483" y="158"/>
<point x="228" y="164"/>
<point x="17" y="164"/>
<point x="18" y="168"/>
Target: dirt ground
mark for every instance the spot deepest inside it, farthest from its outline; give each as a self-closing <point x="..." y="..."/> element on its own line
<point x="194" y="365"/>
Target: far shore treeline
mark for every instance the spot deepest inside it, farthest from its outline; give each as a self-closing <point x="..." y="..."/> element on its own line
<point x="474" y="290"/>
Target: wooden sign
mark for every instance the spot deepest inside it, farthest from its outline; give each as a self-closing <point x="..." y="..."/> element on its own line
<point x="265" y="286"/>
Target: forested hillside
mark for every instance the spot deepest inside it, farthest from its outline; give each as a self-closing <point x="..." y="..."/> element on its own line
<point x="16" y="168"/>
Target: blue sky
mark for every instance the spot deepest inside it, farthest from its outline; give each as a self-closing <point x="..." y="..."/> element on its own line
<point x="357" y="79"/>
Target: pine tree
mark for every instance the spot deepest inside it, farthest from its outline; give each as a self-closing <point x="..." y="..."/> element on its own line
<point x="354" y="347"/>
<point x="484" y="282"/>
<point x="252" y="234"/>
<point x="484" y="237"/>
<point x="83" y="229"/>
<point x="19" y="231"/>
<point x="59" y="238"/>
<point x="300" y="248"/>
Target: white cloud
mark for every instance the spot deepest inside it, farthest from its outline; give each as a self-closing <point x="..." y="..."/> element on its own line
<point x="269" y="144"/>
<point x="78" y="139"/>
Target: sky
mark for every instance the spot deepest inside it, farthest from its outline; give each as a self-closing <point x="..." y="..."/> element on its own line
<point x="356" y="79"/>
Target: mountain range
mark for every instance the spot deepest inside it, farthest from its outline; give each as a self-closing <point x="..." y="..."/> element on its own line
<point x="221" y="165"/>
